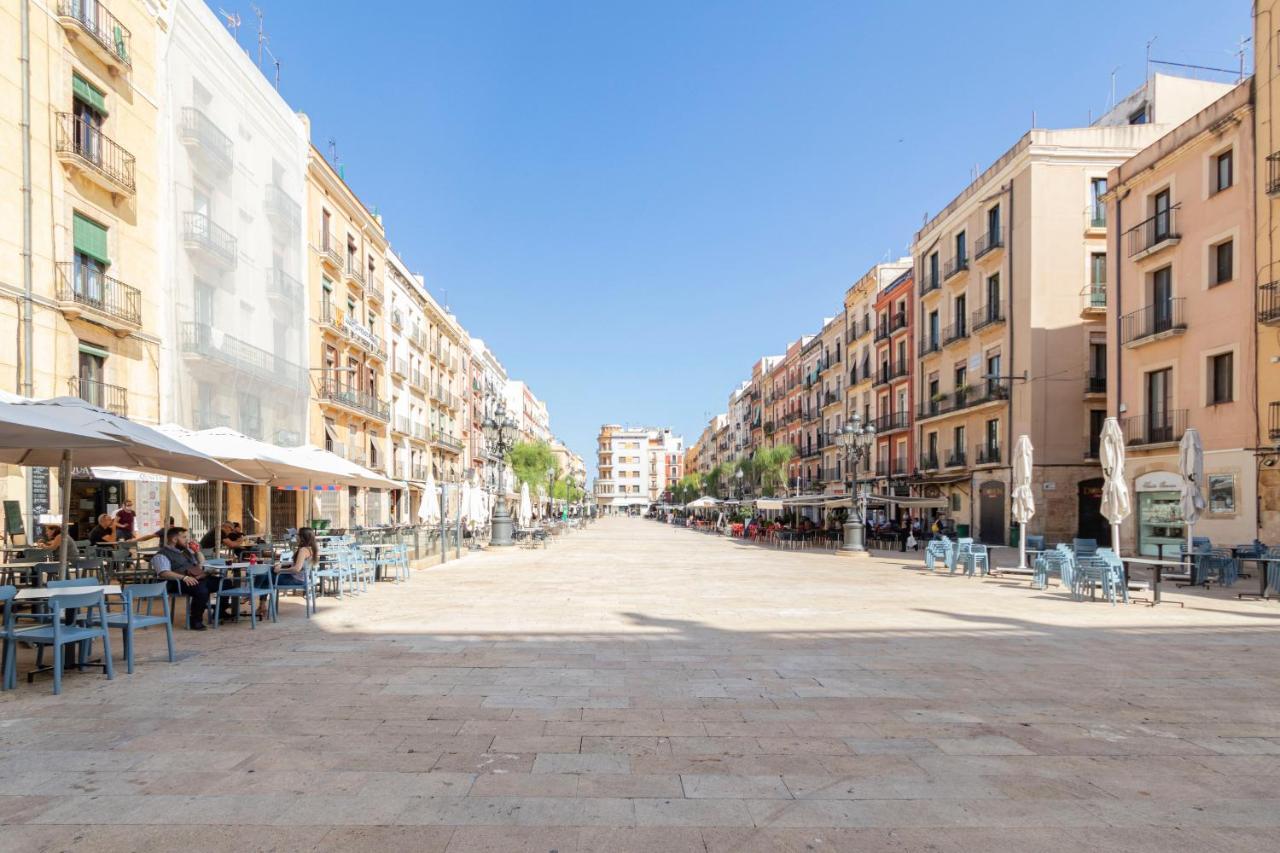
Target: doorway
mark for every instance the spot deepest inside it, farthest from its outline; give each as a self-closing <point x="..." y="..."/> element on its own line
<point x="1090" y="522"/>
<point x="284" y="511"/>
<point x="991" y="513"/>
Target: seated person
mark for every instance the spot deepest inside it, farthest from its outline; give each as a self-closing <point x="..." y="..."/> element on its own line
<point x="52" y="538"/>
<point x="226" y="535"/>
<point x="104" y="532"/>
<point x="183" y="567"/>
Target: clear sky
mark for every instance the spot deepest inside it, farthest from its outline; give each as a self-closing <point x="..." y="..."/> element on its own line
<point x="632" y="201"/>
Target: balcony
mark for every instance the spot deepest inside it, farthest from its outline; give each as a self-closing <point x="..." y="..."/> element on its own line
<point x="330" y="255"/>
<point x="957" y="331"/>
<point x="205" y="418"/>
<point x="1273" y="421"/>
<point x="956" y="458"/>
<point x="445" y="441"/>
<point x="980" y="394"/>
<point x="103" y="35"/>
<point x="355" y="273"/>
<point x="928" y="461"/>
<point x="928" y="346"/>
<point x="205" y="141"/>
<point x="1093" y="301"/>
<point x="988" y="315"/>
<point x="987" y="454"/>
<point x="284" y="287"/>
<point x="955" y="265"/>
<point x="888" y="373"/>
<point x="113" y="398"/>
<point x="1153" y="234"/>
<point x="1165" y="427"/>
<point x="400" y="369"/>
<point x="1159" y="320"/>
<point x="373" y="287"/>
<point x="397" y="319"/>
<point x="217" y="350"/>
<point x="1269" y="303"/>
<point x="85" y="293"/>
<point x="1273" y="174"/>
<point x="281" y="208"/>
<point x="929" y="283"/>
<point x="1095" y="383"/>
<point x="206" y="239"/>
<point x="1092" y="445"/>
<point x="88" y="151"/>
<point x="988" y="243"/>
<point x="892" y="422"/>
<point x="419" y="380"/>
<point x="362" y="401"/>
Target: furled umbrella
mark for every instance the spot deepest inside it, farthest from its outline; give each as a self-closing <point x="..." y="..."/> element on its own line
<point x="429" y="508"/>
<point x="1191" y="468"/>
<point x="525" y="514"/>
<point x="1024" y="502"/>
<point x="1115" y="492"/>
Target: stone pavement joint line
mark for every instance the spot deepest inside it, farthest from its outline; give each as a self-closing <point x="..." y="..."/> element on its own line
<point x="639" y="687"/>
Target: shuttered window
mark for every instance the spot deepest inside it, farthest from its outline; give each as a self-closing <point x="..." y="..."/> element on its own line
<point x="88" y="93"/>
<point x="89" y="238"/>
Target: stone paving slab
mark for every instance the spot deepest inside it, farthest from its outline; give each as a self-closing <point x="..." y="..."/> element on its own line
<point x="637" y="687"/>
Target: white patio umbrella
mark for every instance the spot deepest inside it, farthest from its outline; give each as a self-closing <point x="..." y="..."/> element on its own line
<point x="1115" y="492"/>
<point x="1024" y="502"/>
<point x="429" y="508"/>
<point x="1191" y="467"/>
<point x="525" y="513"/>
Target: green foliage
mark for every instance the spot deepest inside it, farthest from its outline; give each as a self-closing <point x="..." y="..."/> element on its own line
<point x="530" y="461"/>
<point x="714" y="479"/>
<point x="770" y="468"/>
<point x="567" y="491"/>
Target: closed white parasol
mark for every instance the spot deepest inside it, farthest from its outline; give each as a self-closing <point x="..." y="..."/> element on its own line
<point x="1024" y="502"/>
<point x="1115" y="492"/>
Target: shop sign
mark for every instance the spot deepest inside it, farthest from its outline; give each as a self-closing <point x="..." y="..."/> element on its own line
<point x="1158" y="481"/>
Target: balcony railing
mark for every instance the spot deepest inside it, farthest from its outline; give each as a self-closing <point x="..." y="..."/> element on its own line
<point x="958" y="264"/>
<point x="1159" y="318"/>
<point x="369" y="403"/>
<point x="113" y="398"/>
<point x="986" y="391"/>
<point x="397" y="319"/>
<point x="1269" y="303"/>
<point x="400" y="368"/>
<point x="373" y="286"/>
<point x="928" y="461"/>
<point x="445" y="440"/>
<point x="354" y="270"/>
<point x="959" y="330"/>
<point x="1273" y="421"/>
<point x="202" y="233"/>
<point x="990" y="241"/>
<point x="1161" y="428"/>
<point x="111" y="37"/>
<point x="987" y="454"/>
<point x="281" y="207"/>
<point x="928" y="346"/>
<point x="329" y="251"/>
<point x="956" y="458"/>
<point x="206" y="138"/>
<point x="929" y="283"/>
<point x="890" y="421"/>
<point x="83" y="285"/>
<point x="1273" y="173"/>
<point x="889" y="372"/>
<point x="1153" y="232"/>
<point x="1095" y="383"/>
<point x="91" y="148"/>
<point x="217" y="347"/>
<point x="283" y="286"/>
<point x="1094" y="297"/>
<point x="987" y="315"/>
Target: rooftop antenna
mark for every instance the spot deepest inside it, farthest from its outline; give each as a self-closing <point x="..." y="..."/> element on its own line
<point x="1111" y="102"/>
<point x="1150" y="42"/>
<point x="262" y="36"/>
<point x="233" y="23"/>
<point x="333" y="151"/>
<point x="1240" y="53"/>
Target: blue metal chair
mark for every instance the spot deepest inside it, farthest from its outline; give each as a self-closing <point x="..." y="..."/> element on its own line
<point x="939" y="548"/>
<point x="1035" y="543"/>
<point x="959" y="554"/>
<point x="976" y="556"/>
<point x="1219" y="563"/>
<point x="1084" y="547"/>
<point x="134" y="617"/>
<point x="7" y="679"/>
<point x="249" y="588"/>
<point x="307" y="588"/>
<point x="58" y="633"/>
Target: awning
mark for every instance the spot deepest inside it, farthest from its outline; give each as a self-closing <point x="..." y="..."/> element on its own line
<point x="769" y="504"/>
<point x="909" y="503"/>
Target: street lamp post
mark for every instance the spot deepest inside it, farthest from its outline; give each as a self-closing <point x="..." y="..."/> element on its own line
<point x="737" y="482"/>
<point x="551" y="493"/>
<point x="500" y="432"/>
<point x="855" y="440"/>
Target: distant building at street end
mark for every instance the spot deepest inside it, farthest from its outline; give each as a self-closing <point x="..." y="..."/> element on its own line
<point x="636" y="467"/>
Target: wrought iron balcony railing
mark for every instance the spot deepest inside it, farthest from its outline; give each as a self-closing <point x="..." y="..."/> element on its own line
<point x="1095" y="383"/>
<point x="1269" y="303"/>
<point x="993" y="239"/>
<point x="365" y="401"/>
<point x="958" y="264"/>
<point x="95" y="20"/>
<point x="1165" y="316"/>
<point x="1094" y="297"/>
<point x="201" y="232"/>
<point x="986" y="391"/>
<point x="94" y="150"/>
<point x="84" y="285"/>
<point x="956" y="458"/>
<point x="1164" y="427"/>
<point x="987" y="454"/>
<point x="113" y="398"/>
<point x="1153" y="232"/>
<point x="987" y="315"/>
<point x="204" y="136"/>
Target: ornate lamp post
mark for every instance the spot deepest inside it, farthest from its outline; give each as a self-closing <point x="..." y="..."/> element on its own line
<point x="500" y="431"/>
<point x="551" y="493"/>
<point x="737" y="482"/>
<point x="856" y="440"/>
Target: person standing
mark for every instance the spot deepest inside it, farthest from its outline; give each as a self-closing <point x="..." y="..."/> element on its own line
<point x="125" y="517"/>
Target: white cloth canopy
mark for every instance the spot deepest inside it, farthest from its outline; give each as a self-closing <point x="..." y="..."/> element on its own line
<point x="525" y="514"/>
<point x="1191" y="467"/>
<point x="330" y="468"/>
<point x="702" y="503"/>
<point x="1024" y="501"/>
<point x="1115" y="491"/>
<point x="429" y="509"/>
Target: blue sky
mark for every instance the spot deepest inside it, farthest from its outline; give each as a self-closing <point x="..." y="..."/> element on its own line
<point x="631" y="202"/>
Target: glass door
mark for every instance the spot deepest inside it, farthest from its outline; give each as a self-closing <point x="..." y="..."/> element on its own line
<point x="1158" y="391"/>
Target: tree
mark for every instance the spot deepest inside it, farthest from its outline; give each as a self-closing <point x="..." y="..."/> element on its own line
<point x="567" y="491"/>
<point x="530" y="461"/>
<point x="711" y="481"/>
<point x="770" y="467"/>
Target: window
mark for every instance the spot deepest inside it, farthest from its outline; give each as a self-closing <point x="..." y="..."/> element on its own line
<point x="935" y="329"/>
<point x="1223" y="261"/>
<point x="993" y="437"/>
<point x="1162" y="220"/>
<point x="960" y="315"/>
<point x="92" y="370"/>
<point x="1159" y="392"/>
<point x="993" y="297"/>
<point x="993" y="226"/>
<point x="1223" y="171"/>
<point x="1139" y="116"/>
<point x="1097" y="208"/>
<point x="1222" y="493"/>
<point x="90" y="261"/>
<point x="933" y="270"/>
<point x="1098" y="269"/>
<point x="961" y="377"/>
<point x="1162" y="298"/>
<point x="1221" y="386"/>
<point x="961" y="249"/>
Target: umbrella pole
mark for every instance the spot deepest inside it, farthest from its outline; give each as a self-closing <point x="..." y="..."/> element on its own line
<point x="217" y="518"/>
<point x="310" y="499"/>
<point x="1022" y="545"/>
<point x="1115" y="539"/>
<point x="166" y="508"/>
<point x="64" y="483"/>
<point x="267" y="532"/>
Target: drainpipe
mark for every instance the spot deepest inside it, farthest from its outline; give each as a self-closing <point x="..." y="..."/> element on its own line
<point x="1119" y="232"/>
<point x="25" y="386"/>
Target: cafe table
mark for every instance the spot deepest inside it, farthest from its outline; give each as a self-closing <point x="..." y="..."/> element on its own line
<point x="1157" y="575"/>
<point x="1263" y="563"/>
<point x="44" y="593"/>
<point x="378" y="563"/>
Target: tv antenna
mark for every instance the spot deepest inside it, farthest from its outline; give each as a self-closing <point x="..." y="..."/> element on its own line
<point x="233" y="23"/>
<point x="264" y="44"/>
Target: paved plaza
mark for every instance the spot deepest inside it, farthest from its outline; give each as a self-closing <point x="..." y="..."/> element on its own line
<point x="640" y="687"/>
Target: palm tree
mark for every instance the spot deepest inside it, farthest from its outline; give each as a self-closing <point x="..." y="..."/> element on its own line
<point x="711" y="482"/>
<point x="770" y="466"/>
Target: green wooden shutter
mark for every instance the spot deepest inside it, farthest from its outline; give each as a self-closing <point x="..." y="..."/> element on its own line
<point x="89" y="238"/>
<point x="87" y="92"/>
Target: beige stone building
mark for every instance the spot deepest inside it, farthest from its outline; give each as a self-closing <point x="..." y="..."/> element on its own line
<point x="80" y="316"/>
<point x="1010" y="331"/>
<point x="351" y="413"/>
<point x="1266" y="189"/>
<point x="1180" y="318"/>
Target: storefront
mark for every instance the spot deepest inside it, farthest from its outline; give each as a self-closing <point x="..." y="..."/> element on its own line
<point x="1159" y="513"/>
<point x="90" y="498"/>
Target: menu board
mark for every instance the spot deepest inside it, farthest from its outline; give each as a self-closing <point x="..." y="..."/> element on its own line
<point x="39" y="498"/>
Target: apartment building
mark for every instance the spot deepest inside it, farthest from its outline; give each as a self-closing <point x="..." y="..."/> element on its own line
<point x="665" y="461"/>
<point x="1181" y="321"/>
<point x="489" y="383"/>
<point x="1266" y="189"/>
<point x="352" y="415"/>
<point x="1009" y="318"/>
<point x="408" y="332"/>
<point x="894" y="362"/>
<point x="739" y="411"/>
<point x="829" y="390"/>
<point x="761" y="401"/>
<point x="790" y="394"/>
<point x="625" y="456"/>
<point x="449" y="416"/>
<point x="81" y="317"/>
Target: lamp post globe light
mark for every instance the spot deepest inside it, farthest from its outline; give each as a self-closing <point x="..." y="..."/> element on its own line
<point x="737" y="482"/>
<point x="500" y="433"/>
<point x="855" y="440"/>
